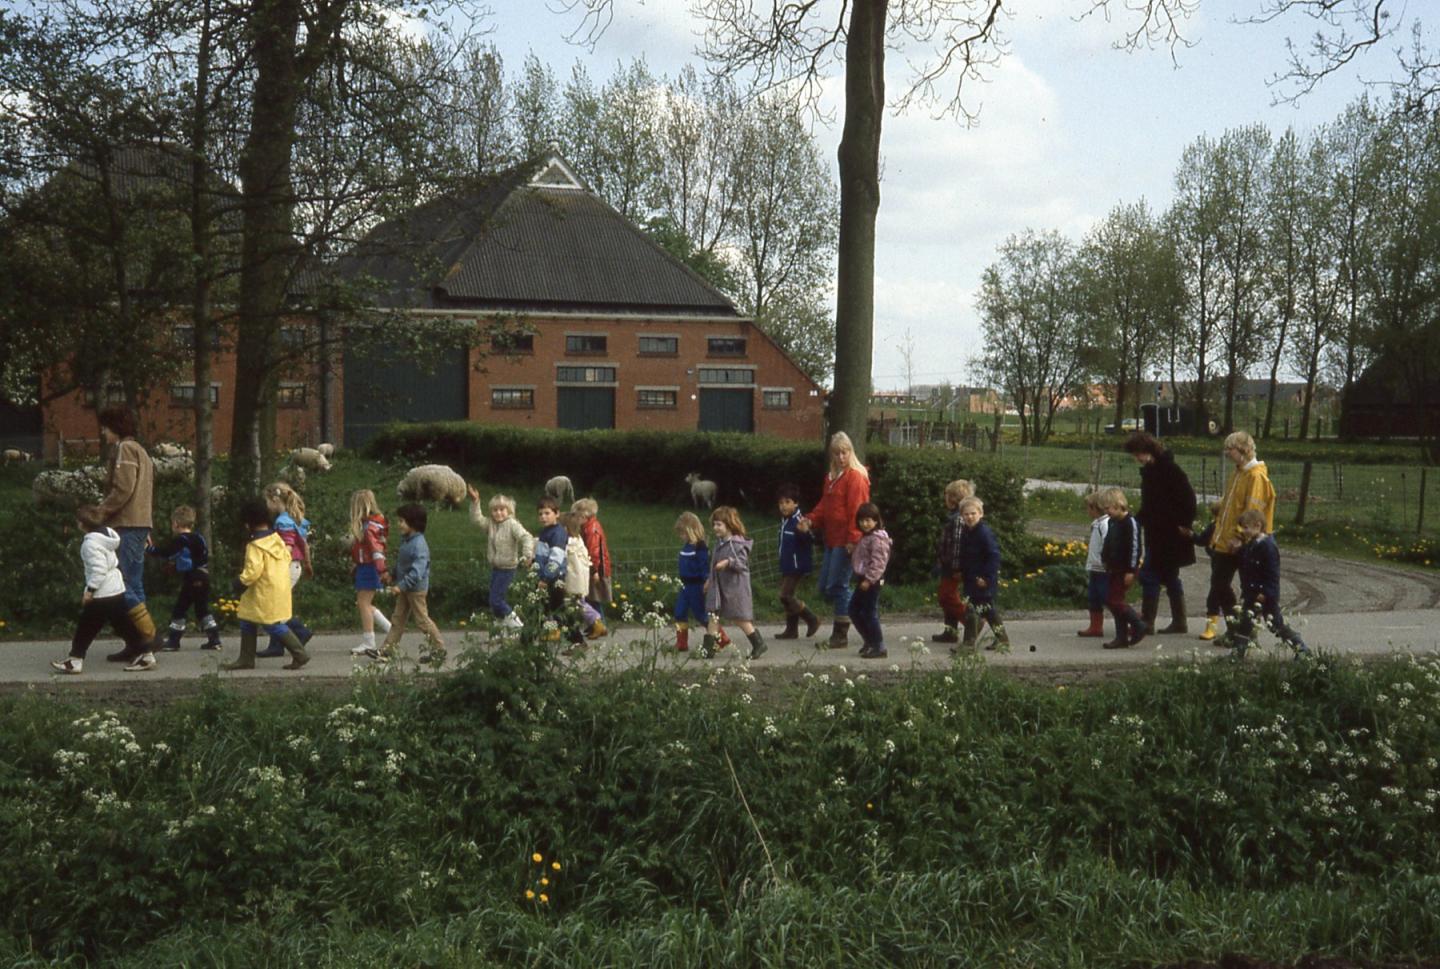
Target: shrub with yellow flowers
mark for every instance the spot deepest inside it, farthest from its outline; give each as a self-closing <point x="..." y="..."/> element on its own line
<point x="540" y="883"/>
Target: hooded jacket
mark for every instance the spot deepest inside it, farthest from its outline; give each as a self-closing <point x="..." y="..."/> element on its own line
<point x="728" y="592"/>
<point x="102" y="566"/>
<point x="1250" y="487"/>
<point x="130" y="487"/>
<point x="871" y="556"/>
<point x="266" y="578"/>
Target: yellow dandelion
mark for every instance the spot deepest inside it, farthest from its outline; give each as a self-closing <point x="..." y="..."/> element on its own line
<point x="869" y="806"/>
<point x="544" y="881"/>
<point x="529" y="893"/>
<point x="544" y="899"/>
<point x="555" y="865"/>
<point x="536" y="858"/>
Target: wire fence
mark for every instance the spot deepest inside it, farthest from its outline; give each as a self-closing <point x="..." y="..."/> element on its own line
<point x="629" y="565"/>
<point x="1397" y="498"/>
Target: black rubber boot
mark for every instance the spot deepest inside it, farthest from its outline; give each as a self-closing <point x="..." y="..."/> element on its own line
<point x="1177" y="614"/>
<point x="839" y="635"/>
<point x="792" y="628"/>
<point x="172" y="640"/>
<point x="246" y="659"/>
<point x="757" y="644"/>
<point x="812" y="622"/>
<point x="298" y="656"/>
<point x="1149" y="609"/>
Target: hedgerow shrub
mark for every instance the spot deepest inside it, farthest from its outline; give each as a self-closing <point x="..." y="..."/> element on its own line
<point x="907" y="484"/>
<point x="571" y="812"/>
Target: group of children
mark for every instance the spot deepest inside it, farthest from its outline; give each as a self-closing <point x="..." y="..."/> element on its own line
<point x="1116" y="551"/>
<point x="571" y="558"/>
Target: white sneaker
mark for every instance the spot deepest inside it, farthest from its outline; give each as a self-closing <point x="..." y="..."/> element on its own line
<point x="512" y="621"/>
<point x="70" y="666"/>
<point x="144" y="664"/>
<point x="364" y="649"/>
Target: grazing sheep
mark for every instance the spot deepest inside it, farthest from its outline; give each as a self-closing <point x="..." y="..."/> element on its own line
<point x="327" y="449"/>
<point x="169" y="449"/>
<point x="560" y="488"/>
<point x="14" y="454"/>
<point x="310" y="459"/>
<point x="292" y="474"/>
<point x="82" y="486"/>
<point x="432" y="482"/>
<point x="174" y="467"/>
<point x="701" y="490"/>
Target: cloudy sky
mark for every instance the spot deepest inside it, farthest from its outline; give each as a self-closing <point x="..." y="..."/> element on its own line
<point x="1068" y="128"/>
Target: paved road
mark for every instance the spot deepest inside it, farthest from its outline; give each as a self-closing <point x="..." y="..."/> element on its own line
<point x="1054" y="639"/>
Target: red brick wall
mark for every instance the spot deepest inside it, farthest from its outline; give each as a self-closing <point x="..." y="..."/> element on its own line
<point x="71" y="420"/>
<point x="803" y="420"/>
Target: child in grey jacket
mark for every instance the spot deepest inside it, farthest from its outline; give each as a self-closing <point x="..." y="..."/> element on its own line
<point x="727" y="591"/>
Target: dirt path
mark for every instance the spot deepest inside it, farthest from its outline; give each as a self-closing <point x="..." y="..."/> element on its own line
<point x="1310" y="583"/>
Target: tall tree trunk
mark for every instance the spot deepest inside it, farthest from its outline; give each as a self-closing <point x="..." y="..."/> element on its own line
<point x="200" y="303"/>
<point x="1230" y="379"/>
<point x="268" y="249"/>
<point x="859" y="158"/>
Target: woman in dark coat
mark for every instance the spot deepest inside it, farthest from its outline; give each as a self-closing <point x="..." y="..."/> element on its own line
<point x="1167" y="510"/>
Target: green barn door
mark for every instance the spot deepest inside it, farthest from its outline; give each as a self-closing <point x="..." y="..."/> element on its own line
<point x="727" y="410"/>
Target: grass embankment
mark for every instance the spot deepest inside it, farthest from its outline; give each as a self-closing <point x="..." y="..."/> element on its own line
<point x="512" y="813"/>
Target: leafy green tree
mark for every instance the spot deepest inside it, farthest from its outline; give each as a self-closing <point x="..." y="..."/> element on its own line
<point x="1034" y="337"/>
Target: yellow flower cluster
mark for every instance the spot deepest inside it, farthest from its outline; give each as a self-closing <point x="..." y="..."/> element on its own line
<point x="542" y="880"/>
<point x="1064" y="551"/>
<point x="226" y="606"/>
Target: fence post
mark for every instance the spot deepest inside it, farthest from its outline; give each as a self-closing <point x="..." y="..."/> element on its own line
<point x="1404" y="497"/>
<point x="1287" y="428"/>
<point x="1420" y="518"/>
<point x="1304" y="494"/>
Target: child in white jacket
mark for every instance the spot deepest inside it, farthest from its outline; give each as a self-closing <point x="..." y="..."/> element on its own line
<point x="104" y="598"/>
<point x="577" y="574"/>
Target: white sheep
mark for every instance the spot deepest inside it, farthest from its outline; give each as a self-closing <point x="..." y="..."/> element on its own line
<point x="169" y="449"/>
<point x="292" y="474"/>
<point x="310" y="459"/>
<point x="174" y="467"/>
<point x="327" y="449"/>
<point x="83" y="486"/>
<point x="432" y="482"/>
<point x="14" y="454"/>
<point x="560" y="488"/>
<point x="701" y="490"/>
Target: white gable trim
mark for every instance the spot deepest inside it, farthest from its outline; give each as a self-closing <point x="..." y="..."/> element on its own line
<point x="556" y="174"/>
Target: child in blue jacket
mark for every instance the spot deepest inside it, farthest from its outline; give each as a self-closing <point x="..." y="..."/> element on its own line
<point x="1123" y="552"/>
<point x="796" y="562"/>
<point x="187" y="552"/>
<point x="1260" y="588"/>
<point x="412" y="586"/>
<point x="980" y="565"/>
<point x="550" y="545"/>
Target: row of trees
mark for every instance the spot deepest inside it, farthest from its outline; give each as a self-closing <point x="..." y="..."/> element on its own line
<point x="1304" y="253"/>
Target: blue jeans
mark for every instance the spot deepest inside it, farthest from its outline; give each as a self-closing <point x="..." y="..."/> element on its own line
<point x="132" y="563"/>
<point x="500" y="580"/>
<point x="864" y="612"/>
<point x="276" y="629"/>
<point x="1152" y="578"/>
<point x="1098" y="590"/>
<point x="834" y="579"/>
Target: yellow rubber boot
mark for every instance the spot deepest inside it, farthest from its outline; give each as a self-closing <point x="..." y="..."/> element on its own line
<point x="1212" y="626"/>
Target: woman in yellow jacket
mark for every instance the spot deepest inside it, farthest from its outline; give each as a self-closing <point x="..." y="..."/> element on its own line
<point x="1249" y="488"/>
<point x="266" y="599"/>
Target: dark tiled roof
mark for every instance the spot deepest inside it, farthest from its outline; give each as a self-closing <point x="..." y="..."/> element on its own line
<point x="504" y="244"/>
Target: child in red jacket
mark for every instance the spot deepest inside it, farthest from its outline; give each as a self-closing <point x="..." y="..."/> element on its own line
<point x="367" y="565"/>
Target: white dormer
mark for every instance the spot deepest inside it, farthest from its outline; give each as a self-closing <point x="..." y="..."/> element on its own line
<point x="556" y="174"/>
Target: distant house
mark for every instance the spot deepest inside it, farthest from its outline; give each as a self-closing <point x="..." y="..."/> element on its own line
<point x="619" y="333"/>
<point x="1380" y="403"/>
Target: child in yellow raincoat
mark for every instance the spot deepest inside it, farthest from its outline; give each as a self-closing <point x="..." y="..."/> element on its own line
<point x="265" y="602"/>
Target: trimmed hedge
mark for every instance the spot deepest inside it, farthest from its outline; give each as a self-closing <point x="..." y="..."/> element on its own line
<point x="908" y="485"/>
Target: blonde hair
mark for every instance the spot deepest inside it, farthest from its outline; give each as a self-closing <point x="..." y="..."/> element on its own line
<point x="1113" y="498"/>
<point x="1092" y="502"/>
<point x="586" y="506"/>
<point x="1252" y="516"/>
<point x="689" y="527"/>
<point x="183" y="516"/>
<point x="503" y="501"/>
<point x="841" y="441"/>
<point x="730" y="518"/>
<point x="572" y="520"/>
<point x="281" y="497"/>
<point x="362" y="506"/>
<point x="1242" y="442"/>
<point x="972" y="502"/>
<point x="959" y="489"/>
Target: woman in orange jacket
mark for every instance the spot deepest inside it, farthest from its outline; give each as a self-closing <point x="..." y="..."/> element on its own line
<point x="847" y="487"/>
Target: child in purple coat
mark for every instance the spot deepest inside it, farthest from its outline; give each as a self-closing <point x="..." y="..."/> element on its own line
<point x="867" y="564"/>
